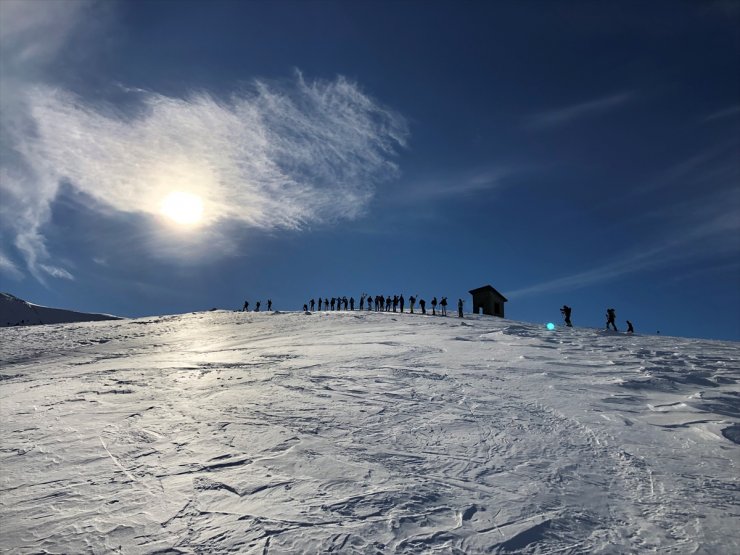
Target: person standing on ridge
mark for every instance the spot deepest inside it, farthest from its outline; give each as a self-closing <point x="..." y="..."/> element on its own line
<point x="412" y="300"/>
<point x="423" y="305"/>
<point x="362" y="302"/>
<point x="565" y="311"/>
<point x="313" y="304"/>
<point x="460" y="308"/>
<point x="269" y="305"/>
<point x="400" y="302"/>
<point x="246" y="306"/>
<point x="369" y="302"/>
<point x="388" y="302"/>
<point x="443" y="304"/>
<point x="351" y="303"/>
<point x="434" y="306"/>
<point x="333" y="302"/>
<point x="257" y="307"/>
<point x="395" y="302"/>
<point x="630" y="327"/>
<point x="610" y="317"/>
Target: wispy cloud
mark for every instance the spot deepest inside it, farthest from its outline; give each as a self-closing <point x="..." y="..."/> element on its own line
<point x="711" y="229"/>
<point x="731" y="112"/>
<point x="8" y="268"/>
<point x="276" y="155"/>
<point x="566" y="114"/>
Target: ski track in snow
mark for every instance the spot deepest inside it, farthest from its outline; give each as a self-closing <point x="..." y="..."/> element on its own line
<point x="227" y="432"/>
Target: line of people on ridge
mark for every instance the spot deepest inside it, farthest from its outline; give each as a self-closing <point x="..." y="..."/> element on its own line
<point x="379" y="303"/>
<point x="611" y="317"/>
<point x="257" y="305"/>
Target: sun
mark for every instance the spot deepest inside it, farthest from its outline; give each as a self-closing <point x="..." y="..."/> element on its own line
<point x="182" y="208"/>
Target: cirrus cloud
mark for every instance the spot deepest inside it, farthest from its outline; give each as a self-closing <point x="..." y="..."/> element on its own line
<point x="279" y="155"/>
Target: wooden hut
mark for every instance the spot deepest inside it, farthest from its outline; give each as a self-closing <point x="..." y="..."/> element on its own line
<point x="488" y="300"/>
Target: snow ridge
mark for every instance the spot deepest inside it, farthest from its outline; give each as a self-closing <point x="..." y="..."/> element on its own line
<point x="226" y="432"/>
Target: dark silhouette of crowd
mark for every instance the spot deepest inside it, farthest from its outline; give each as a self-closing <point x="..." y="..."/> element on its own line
<point x="379" y="303"/>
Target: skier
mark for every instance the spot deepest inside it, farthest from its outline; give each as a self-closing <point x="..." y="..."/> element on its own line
<point x="257" y="307"/>
<point x="434" y="306"/>
<point x="369" y="302"/>
<point x="246" y="306"/>
<point x="388" y="302"/>
<point x="630" y="327"/>
<point x="423" y="305"/>
<point x="443" y="304"/>
<point x="412" y="300"/>
<point x="460" y="308"/>
<point x="305" y="308"/>
<point x="313" y="305"/>
<point x="610" y="317"/>
<point x="333" y="302"/>
<point x="269" y="305"/>
<point x="400" y="302"/>
<point x="362" y="302"/>
<point x="351" y="303"/>
<point x="395" y="302"/>
<point x="565" y="311"/>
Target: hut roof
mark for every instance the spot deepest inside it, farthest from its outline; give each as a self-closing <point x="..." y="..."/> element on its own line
<point x="487" y="288"/>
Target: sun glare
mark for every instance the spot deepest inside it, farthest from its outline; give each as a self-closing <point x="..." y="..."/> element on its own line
<point x="183" y="208"/>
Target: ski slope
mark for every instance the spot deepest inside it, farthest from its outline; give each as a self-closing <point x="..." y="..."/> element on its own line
<point x="229" y="432"/>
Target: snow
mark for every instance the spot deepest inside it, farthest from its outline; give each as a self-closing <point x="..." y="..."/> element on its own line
<point x="230" y="432"/>
<point x="15" y="311"/>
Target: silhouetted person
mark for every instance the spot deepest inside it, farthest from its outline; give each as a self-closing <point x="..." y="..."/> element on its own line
<point x="246" y="306"/>
<point x="305" y="308"/>
<point x="630" y="327"/>
<point x="412" y="300"/>
<point x="257" y="307"/>
<point x="443" y="304"/>
<point x="346" y="302"/>
<point x="400" y="303"/>
<point x="388" y="302"/>
<point x="333" y="302"/>
<point x="369" y="302"/>
<point x="351" y="303"/>
<point x="269" y="305"/>
<point x="610" y="317"/>
<point x="565" y="311"/>
<point x="362" y="302"/>
<point x="313" y="305"/>
<point x="460" y="308"/>
<point x="434" y="306"/>
<point x="395" y="303"/>
<point x="423" y="305"/>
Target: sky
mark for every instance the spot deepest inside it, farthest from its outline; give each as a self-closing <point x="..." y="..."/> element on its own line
<point x="579" y="153"/>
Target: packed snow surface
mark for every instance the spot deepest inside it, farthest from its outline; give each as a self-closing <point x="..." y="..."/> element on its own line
<point x="17" y="312"/>
<point x="226" y="432"/>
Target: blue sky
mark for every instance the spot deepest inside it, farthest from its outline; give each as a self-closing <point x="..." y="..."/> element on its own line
<point x="583" y="153"/>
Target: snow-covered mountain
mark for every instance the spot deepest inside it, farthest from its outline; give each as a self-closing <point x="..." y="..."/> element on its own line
<point x="17" y="312"/>
<point x="226" y="432"/>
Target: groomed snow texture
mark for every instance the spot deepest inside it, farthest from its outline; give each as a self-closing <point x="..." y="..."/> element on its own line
<point x="225" y="432"/>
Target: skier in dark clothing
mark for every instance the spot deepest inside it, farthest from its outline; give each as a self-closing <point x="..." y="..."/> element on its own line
<point x="333" y="302"/>
<point x="362" y="302"/>
<point x="434" y="306"/>
<point x="610" y="317"/>
<point x="313" y="305"/>
<point x="395" y="302"/>
<point x="388" y="302"/>
<point x="369" y="302"/>
<point x="351" y="303"/>
<point x="269" y="305"/>
<point x="443" y="304"/>
<point x="246" y="306"/>
<point x="565" y="311"/>
<point x="460" y="308"/>
<point x="630" y="327"/>
<point x="412" y="300"/>
<point x="400" y="303"/>
<point x="305" y="308"/>
<point x="423" y="305"/>
<point x="257" y="307"/>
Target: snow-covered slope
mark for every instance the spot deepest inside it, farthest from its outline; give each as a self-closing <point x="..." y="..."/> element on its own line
<point x="15" y="311"/>
<point x="227" y="432"/>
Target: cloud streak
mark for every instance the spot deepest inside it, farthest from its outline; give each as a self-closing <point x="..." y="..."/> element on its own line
<point x="566" y="114"/>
